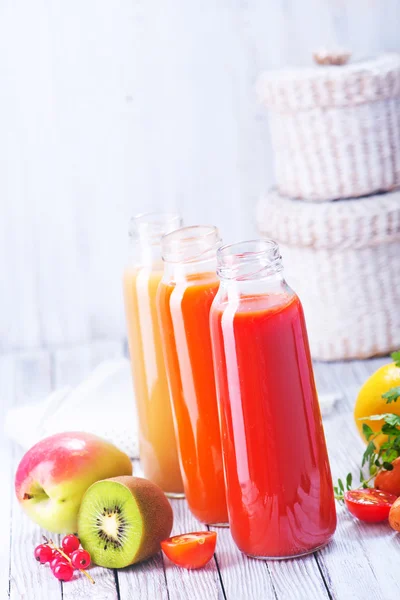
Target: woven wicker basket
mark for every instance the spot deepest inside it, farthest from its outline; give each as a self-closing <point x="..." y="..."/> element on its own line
<point x="343" y="259"/>
<point x="335" y="129"/>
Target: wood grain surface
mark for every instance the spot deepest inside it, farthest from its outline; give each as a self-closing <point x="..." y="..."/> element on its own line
<point x="361" y="560"/>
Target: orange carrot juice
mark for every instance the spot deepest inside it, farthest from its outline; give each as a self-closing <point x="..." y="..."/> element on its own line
<point x="157" y="442"/>
<point x="184" y="302"/>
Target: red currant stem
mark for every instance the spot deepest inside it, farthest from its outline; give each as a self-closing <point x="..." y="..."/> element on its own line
<point x="52" y="545"/>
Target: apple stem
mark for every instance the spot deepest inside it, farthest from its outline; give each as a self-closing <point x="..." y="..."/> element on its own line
<point x="53" y="545"/>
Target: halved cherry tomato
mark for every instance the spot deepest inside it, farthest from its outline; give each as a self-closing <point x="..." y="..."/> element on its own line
<point x="190" y="550"/>
<point x="369" y="505"/>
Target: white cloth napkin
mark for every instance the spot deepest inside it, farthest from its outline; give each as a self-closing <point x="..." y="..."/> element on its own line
<point x="102" y="404"/>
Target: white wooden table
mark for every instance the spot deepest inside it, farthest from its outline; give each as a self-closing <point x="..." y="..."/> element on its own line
<point x="362" y="561"/>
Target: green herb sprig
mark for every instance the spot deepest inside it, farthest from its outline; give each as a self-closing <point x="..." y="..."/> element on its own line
<point x="374" y="459"/>
<point x="340" y="488"/>
<point x="392" y="395"/>
<point x="396" y="358"/>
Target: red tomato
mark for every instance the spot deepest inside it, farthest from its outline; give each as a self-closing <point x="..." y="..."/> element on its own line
<point x="369" y="505"/>
<point x="190" y="550"/>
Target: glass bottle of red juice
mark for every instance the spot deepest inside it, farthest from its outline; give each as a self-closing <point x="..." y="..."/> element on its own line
<point x="278" y="480"/>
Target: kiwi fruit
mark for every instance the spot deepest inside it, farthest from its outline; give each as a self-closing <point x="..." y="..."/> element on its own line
<point x="122" y="521"/>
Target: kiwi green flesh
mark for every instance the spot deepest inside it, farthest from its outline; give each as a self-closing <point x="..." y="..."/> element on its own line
<point x="110" y="524"/>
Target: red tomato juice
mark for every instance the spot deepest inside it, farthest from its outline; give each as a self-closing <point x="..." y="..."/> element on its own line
<point x="279" y="487"/>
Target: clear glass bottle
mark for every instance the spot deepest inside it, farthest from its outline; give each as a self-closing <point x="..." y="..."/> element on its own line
<point x="186" y="292"/>
<point x="157" y="441"/>
<point x="278" y="481"/>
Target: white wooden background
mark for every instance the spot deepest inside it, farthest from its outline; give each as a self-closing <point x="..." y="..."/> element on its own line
<point x="111" y="107"/>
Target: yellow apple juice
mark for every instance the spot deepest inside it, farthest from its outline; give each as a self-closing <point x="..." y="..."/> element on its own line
<point x="157" y="443"/>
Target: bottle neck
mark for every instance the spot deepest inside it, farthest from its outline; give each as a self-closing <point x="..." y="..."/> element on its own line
<point x="179" y="272"/>
<point x="145" y="235"/>
<point x="190" y="251"/>
<point x="251" y="268"/>
<point x="272" y="284"/>
<point x="142" y="253"/>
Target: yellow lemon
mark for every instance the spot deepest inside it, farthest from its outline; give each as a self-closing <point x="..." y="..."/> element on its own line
<point x="370" y="401"/>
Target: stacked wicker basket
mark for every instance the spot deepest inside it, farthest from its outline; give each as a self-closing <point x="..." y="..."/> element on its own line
<point x="336" y="212"/>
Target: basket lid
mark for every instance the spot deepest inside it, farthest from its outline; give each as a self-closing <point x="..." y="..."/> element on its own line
<point x="350" y="223"/>
<point x="325" y="86"/>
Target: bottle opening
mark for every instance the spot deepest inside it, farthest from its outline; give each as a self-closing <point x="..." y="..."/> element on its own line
<point x="152" y="226"/>
<point x="251" y="259"/>
<point x="191" y="244"/>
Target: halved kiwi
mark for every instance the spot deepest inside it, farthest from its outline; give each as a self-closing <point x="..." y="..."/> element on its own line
<point x="122" y="521"/>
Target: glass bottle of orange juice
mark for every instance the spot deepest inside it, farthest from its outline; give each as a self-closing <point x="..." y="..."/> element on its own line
<point x="184" y="299"/>
<point x="157" y="441"/>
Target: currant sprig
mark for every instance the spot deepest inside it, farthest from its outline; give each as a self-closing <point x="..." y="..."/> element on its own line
<point x="65" y="560"/>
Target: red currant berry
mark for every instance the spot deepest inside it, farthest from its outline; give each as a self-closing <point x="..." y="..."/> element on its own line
<point x="63" y="572"/>
<point x="70" y="543"/>
<point x="80" y="559"/>
<point x="58" y="560"/>
<point x="43" y="553"/>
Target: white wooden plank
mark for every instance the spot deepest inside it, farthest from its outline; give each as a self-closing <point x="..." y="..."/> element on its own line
<point x="183" y="583"/>
<point x="297" y="579"/>
<point x="46" y="260"/>
<point x="7" y="391"/>
<point x="80" y="588"/>
<point x="145" y="580"/>
<point x="28" y="579"/>
<point x="355" y="562"/>
<point x="242" y="577"/>
<point x="339" y="377"/>
<point x="363" y="369"/>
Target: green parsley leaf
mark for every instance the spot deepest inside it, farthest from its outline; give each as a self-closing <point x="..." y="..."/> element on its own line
<point x="339" y="488"/>
<point x="392" y="419"/>
<point x="369" y="451"/>
<point x="388" y="429"/>
<point x="392" y="395"/>
<point x="367" y="431"/>
<point x="386" y="445"/>
<point x="390" y="456"/>
<point x="396" y="358"/>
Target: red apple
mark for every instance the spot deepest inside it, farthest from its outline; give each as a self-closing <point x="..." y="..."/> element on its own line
<point x="55" y="473"/>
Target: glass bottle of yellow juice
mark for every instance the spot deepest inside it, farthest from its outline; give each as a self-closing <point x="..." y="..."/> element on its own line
<point x="157" y="442"/>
